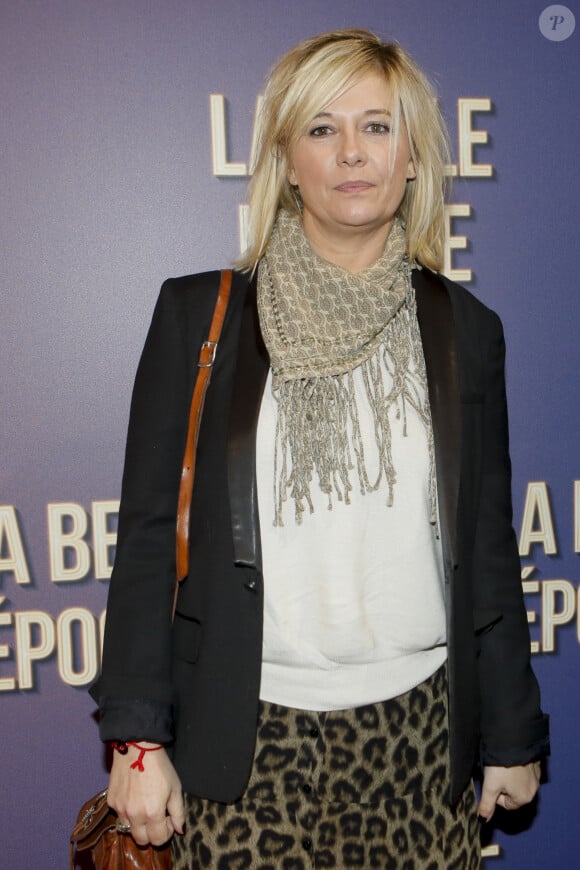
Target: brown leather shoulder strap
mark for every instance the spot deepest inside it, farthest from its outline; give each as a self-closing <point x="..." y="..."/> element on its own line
<point x="206" y="360"/>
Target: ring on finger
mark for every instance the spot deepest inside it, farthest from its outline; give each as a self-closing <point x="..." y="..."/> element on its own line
<point x="123" y="827"/>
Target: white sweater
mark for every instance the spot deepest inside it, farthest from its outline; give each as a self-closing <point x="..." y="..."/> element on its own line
<point x="354" y="609"/>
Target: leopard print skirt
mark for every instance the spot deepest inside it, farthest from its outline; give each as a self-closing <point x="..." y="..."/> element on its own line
<point x="352" y="788"/>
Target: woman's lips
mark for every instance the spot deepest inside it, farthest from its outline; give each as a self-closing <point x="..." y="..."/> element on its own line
<point x="354" y="186"/>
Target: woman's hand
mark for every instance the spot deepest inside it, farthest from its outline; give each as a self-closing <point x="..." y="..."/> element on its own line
<point x="150" y="800"/>
<point x="508" y="787"/>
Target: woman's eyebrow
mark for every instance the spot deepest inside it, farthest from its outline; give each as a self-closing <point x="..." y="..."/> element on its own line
<point x="366" y="112"/>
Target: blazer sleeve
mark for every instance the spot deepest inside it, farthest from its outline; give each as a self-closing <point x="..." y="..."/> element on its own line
<point x="134" y="690"/>
<point x="513" y="728"/>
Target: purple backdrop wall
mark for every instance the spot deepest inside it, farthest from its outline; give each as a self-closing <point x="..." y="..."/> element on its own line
<point x="107" y="188"/>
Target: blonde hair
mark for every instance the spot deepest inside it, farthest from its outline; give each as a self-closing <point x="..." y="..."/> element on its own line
<point x="305" y="80"/>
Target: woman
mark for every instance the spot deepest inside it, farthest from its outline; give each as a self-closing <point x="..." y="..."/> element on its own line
<point x="339" y="663"/>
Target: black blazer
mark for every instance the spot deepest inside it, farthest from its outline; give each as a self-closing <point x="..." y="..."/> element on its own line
<point x="196" y="685"/>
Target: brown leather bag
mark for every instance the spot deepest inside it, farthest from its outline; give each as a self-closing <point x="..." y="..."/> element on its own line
<point x="95" y="828"/>
<point x="110" y="850"/>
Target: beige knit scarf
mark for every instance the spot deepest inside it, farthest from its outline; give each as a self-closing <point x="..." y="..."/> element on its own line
<point x="319" y="323"/>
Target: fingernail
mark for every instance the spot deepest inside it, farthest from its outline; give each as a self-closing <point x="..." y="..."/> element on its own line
<point x="482" y="820"/>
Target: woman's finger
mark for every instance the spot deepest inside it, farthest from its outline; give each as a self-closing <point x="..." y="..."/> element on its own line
<point x="176" y="810"/>
<point x="139" y="834"/>
<point x="505" y="801"/>
<point x="160" y="831"/>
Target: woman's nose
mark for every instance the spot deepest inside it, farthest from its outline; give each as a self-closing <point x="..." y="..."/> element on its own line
<point x="351" y="149"/>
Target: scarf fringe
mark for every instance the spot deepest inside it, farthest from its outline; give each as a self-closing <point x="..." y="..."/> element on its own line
<point x="318" y="431"/>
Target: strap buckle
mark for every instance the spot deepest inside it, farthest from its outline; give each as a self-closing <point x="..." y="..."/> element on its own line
<point x="207" y="354"/>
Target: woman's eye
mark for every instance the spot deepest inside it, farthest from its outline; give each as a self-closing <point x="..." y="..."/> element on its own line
<point x="322" y="130"/>
<point x="377" y="127"/>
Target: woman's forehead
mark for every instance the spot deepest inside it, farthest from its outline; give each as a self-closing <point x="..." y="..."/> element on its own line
<point x="367" y="92"/>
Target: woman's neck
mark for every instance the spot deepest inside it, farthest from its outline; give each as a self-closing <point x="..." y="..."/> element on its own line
<point x="353" y="250"/>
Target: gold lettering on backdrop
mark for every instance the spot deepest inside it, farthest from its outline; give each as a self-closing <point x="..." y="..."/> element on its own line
<point x="558" y="608"/>
<point x="70" y="554"/>
<point x="67" y="545"/>
<point x="559" y="598"/>
<point x="7" y="684"/>
<point x="219" y="140"/>
<point x="559" y="604"/>
<point x="455" y="243"/>
<point x="468" y="138"/>
<point x="80" y="669"/>
<point x="537" y="524"/>
<point x="12" y="555"/>
<point x="34" y="640"/>
<point x="74" y="638"/>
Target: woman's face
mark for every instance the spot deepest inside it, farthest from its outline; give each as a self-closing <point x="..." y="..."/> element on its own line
<point x="350" y="181"/>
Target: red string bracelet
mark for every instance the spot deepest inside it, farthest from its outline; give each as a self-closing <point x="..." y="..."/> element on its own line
<point x="123" y="747"/>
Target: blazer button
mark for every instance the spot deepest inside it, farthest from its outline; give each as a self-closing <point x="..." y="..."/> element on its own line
<point x="251" y="585"/>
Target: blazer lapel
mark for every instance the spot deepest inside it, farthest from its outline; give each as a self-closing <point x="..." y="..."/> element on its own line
<point x="436" y="324"/>
<point x="249" y="381"/>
